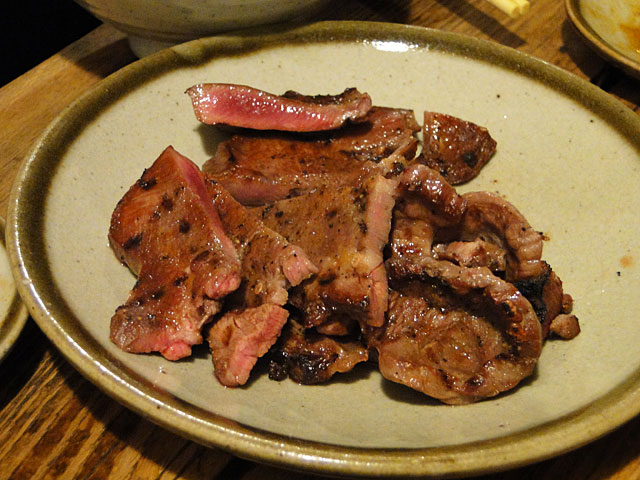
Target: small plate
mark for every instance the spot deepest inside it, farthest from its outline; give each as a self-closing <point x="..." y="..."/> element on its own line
<point x="13" y="313"/>
<point x="568" y="157"/>
<point x="612" y="27"/>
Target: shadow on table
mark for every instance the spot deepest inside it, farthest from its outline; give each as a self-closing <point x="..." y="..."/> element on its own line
<point x="21" y="362"/>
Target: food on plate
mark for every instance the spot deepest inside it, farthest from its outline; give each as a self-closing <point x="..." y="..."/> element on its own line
<point x="319" y="246"/>
<point x="242" y="106"/>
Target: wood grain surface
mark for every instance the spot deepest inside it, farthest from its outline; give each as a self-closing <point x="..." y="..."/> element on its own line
<point x="55" y="424"/>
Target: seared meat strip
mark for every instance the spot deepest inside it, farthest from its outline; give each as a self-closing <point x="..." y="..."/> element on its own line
<point x="308" y="357"/>
<point x="242" y="106"/>
<point x="260" y="168"/>
<point x="454" y="147"/>
<point x="238" y="339"/>
<point x="270" y="265"/>
<point x="343" y="231"/>
<point x="454" y="333"/>
<point x="490" y="218"/>
<point x="168" y="232"/>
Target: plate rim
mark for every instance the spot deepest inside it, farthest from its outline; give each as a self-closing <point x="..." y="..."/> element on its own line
<point x="610" y="411"/>
<point x="12" y="324"/>
<point x="607" y="51"/>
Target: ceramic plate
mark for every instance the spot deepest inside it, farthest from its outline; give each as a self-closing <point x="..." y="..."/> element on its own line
<point x="612" y="27"/>
<point x="568" y="157"/>
<point x="13" y="313"/>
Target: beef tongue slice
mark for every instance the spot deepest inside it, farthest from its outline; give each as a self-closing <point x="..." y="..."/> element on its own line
<point x="259" y="168"/>
<point x="457" y="149"/>
<point x="455" y="333"/>
<point x="343" y="231"/>
<point x="168" y="232"/>
<point x="309" y="357"/>
<point x="270" y="266"/>
<point x="243" y="106"/>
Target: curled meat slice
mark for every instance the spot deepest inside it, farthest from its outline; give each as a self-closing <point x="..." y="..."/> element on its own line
<point x="454" y="333"/>
<point x="425" y="194"/>
<point x="456" y="148"/>
<point x="309" y="357"/>
<point x="243" y="106"/>
<point x="490" y="218"/>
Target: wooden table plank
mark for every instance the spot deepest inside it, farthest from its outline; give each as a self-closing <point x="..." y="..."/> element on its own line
<point x="55" y="424"/>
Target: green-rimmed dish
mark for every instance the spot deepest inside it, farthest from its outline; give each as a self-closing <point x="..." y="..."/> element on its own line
<point x="568" y="157"/>
<point x="13" y="313"/>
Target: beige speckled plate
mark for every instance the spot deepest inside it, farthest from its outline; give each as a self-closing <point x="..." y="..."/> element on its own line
<point x="612" y="27"/>
<point x="13" y="313"/>
<point x="569" y="158"/>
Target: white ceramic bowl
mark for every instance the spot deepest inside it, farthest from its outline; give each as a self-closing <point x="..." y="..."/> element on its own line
<point x="155" y="24"/>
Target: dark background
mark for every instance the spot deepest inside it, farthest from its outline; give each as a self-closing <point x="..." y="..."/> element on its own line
<point x="36" y="30"/>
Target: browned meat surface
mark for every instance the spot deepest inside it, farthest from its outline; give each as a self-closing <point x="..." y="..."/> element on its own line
<point x="456" y="148"/>
<point x="238" y="339"/>
<point x="318" y="207"/>
<point x="344" y="232"/>
<point x="565" y="326"/>
<point x="243" y="106"/>
<point x="492" y="219"/>
<point x="454" y="333"/>
<point x="166" y="230"/>
<point x="270" y="264"/>
<point x="309" y="357"/>
<point x="259" y="168"/>
<point x="545" y="294"/>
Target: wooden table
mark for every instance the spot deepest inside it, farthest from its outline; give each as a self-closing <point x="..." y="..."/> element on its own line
<point x="55" y="424"/>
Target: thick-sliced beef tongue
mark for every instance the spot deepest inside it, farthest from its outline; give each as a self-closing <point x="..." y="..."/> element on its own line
<point x="456" y="148"/>
<point x="167" y="230"/>
<point x="270" y="266"/>
<point x="343" y="231"/>
<point x="490" y="218"/>
<point x="259" y="168"/>
<point x="477" y="229"/>
<point x="309" y="357"/>
<point x="457" y="334"/>
<point x="242" y="106"/>
<point x="238" y="339"/>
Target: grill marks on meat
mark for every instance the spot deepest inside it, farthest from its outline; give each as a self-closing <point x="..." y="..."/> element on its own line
<point x="492" y="219"/>
<point x="270" y="266"/>
<point x="456" y="148"/>
<point x="353" y="246"/>
<point x="259" y="169"/>
<point x="243" y="106"/>
<point x="457" y="334"/>
<point x="344" y="232"/>
<point x="167" y="231"/>
<point x="308" y="357"/>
